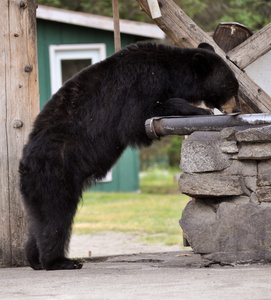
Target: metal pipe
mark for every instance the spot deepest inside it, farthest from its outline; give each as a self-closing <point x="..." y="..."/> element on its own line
<point x="161" y="126"/>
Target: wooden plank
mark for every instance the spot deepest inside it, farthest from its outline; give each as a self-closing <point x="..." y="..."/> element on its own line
<point x="21" y="103"/>
<point x="253" y="48"/>
<point x="185" y="33"/>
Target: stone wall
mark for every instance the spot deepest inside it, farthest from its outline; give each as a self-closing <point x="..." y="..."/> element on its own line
<point x="228" y="175"/>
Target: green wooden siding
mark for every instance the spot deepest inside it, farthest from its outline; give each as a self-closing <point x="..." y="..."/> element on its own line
<point x="125" y="172"/>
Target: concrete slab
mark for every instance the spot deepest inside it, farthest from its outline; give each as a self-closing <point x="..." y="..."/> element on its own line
<point x="171" y="275"/>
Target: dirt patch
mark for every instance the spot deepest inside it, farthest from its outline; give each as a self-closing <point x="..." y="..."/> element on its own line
<point x="113" y="243"/>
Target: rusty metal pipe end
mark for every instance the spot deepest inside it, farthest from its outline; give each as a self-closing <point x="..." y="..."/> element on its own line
<point x="150" y="129"/>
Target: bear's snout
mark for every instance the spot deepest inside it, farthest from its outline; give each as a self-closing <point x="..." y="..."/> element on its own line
<point x="232" y="106"/>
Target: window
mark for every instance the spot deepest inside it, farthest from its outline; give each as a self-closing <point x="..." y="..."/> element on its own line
<point x="67" y="60"/>
<point x="69" y="67"/>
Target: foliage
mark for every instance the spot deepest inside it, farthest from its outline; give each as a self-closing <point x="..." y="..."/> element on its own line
<point x="206" y="13"/>
<point x="155" y="155"/>
<point x="254" y="14"/>
<point x="174" y="150"/>
<point x="153" y="216"/>
<point x="164" y="153"/>
<point x="159" y="181"/>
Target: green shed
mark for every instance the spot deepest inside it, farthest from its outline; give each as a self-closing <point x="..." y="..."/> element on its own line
<point x="69" y="41"/>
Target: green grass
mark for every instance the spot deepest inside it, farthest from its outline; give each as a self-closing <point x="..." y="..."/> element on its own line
<point x="157" y="181"/>
<point x="154" y="213"/>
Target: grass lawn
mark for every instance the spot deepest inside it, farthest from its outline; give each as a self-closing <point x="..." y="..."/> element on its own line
<point x="154" y="213"/>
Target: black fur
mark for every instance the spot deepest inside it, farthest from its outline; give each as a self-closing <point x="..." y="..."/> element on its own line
<point x="84" y="128"/>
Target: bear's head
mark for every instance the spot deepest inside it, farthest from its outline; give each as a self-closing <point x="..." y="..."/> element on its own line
<point x="218" y="82"/>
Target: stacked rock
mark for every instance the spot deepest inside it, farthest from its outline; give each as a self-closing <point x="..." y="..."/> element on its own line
<point x="228" y="175"/>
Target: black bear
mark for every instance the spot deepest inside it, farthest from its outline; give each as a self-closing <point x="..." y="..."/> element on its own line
<point x="84" y="128"/>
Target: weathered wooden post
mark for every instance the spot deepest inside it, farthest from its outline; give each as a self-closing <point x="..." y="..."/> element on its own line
<point x="19" y="102"/>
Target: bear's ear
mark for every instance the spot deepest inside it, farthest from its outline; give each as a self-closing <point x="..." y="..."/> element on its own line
<point x="206" y="46"/>
<point x="202" y="64"/>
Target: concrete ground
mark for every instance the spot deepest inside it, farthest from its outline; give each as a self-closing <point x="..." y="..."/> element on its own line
<point x="169" y="275"/>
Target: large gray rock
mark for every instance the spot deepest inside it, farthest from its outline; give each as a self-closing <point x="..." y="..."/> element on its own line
<point x="228" y="232"/>
<point x="201" y="153"/>
<point x="211" y="184"/>
<point x="257" y="151"/>
<point x="261" y="134"/>
<point x="198" y="221"/>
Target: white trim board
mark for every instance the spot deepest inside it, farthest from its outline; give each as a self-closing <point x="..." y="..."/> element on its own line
<point x="98" y="22"/>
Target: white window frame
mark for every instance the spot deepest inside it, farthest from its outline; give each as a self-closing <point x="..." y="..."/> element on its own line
<point x="94" y="52"/>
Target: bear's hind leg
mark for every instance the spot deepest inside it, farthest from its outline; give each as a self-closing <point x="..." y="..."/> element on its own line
<point x="51" y="194"/>
<point x="32" y="253"/>
<point x="54" y="239"/>
<point x="52" y="247"/>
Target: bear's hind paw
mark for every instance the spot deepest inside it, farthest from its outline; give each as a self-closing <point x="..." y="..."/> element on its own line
<point x="36" y="266"/>
<point x="65" y="264"/>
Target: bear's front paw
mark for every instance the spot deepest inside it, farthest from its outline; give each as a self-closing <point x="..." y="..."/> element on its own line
<point x="209" y="112"/>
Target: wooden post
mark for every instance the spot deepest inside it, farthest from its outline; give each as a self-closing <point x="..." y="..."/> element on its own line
<point x="185" y="33"/>
<point x="19" y="102"/>
<point x="116" y="18"/>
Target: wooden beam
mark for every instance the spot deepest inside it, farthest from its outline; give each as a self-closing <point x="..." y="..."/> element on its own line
<point x="251" y="49"/>
<point x="185" y="33"/>
<point x="116" y="18"/>
<point x="19" y="101"/>
<point x="177" y="25"/>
